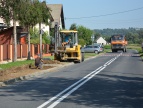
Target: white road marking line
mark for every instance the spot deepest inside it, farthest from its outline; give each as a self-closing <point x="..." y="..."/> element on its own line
<point x="78" y="82"/>
<point x="71" y="91"/>
<point x="108" y="61"/>
<point x="53" y="98"/>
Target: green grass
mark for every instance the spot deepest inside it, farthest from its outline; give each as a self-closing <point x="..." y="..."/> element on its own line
<point x="136" y="47"/>
<point x="50" y="57"/>
<point x="107" y="47"/>
<point x="16" y="64"/>
<point x="20" y="63"/>
<point x="87" y="55"/>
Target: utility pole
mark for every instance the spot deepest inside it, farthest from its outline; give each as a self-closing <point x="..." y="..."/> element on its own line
<point x="56" y="29"/>
<point x="15" y="40"/>
<point x="92" y="38"/>
<point x="41" y="55"/>
<point x="29" y="49"/>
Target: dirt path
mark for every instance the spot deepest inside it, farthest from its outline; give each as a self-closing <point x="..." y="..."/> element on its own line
<point x="16" y="72"/>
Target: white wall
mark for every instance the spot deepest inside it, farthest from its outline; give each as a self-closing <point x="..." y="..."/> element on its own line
<point x="44" y="27"/>
<point x="101" y="40"/>
<point x="11" y="22"/>
<point x="1" y="20"/>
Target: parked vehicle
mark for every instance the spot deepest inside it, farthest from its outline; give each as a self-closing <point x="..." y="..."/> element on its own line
<point x="93" y="49"/>
<point x="100" y="45"/>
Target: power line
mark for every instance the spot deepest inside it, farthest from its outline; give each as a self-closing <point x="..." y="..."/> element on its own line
<point x="107" y="14"/>
<point x="115" y="21"/>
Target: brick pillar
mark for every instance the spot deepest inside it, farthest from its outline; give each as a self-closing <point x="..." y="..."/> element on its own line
<point x="47" y="48"/>
<point x="21" y="50"/>
<point x="38" y="49"/>
<point x="27" y="50"/>
<point x="32" y="51"/>
<point x="10" y="52"/>
<point x="1" y="53"/>
<point x="43" y="48"/>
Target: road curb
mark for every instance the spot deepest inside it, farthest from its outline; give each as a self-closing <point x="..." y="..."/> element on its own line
<point x="26" y="77"/>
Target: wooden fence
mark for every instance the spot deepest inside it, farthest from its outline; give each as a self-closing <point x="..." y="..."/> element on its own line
<point x="7" y="51"/>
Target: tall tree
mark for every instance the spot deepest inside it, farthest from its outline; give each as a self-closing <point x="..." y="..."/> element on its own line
<point x="73" y="26"/>
<point x="35" y="12"/>
<point x="27" y="19"/>
<point x="9" y="11"/>
<point x="85" y="33"/>
<point x="44" y="15"/>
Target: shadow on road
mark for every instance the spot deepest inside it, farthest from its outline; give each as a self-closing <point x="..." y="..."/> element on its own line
<point x="101" y="91"/>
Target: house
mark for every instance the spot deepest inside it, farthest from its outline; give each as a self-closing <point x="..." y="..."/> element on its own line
<point x="101" y="40"/>
<point x="57" y="16"/>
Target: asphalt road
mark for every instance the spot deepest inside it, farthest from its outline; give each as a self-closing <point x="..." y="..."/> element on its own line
<point x="112" y="80"/>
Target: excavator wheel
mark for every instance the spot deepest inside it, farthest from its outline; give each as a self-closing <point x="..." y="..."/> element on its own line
<point x="81" y="60"/>
<point x="82" y="54"/>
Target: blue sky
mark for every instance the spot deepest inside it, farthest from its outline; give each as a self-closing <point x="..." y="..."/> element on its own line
<point x="100" y="14"/>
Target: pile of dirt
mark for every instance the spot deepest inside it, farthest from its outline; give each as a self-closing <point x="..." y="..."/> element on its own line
<point x="51" y="62"/>
<point x="23" y="70"/>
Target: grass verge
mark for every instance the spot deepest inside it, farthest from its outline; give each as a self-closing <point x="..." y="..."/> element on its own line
<point x="136" y="47"/>
<point x="87" y="55"/>
<point x="16" y="64"/>
<point x="20" y="63"/>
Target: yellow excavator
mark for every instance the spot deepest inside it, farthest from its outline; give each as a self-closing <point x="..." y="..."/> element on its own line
<point x="66" y="47"/>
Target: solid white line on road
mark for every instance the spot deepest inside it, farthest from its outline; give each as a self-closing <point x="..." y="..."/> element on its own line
<point x="53" y="98"/>
<point x="71" y="91"/>
<point x="76" y="84"/>
<point x="108" y="63"/>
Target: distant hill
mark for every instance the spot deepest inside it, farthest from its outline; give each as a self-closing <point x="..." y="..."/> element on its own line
<point x="109" y="32"/>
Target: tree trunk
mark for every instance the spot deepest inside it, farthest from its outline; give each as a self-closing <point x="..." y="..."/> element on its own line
<point x="15" y="40"/>
<point x="29" y="54"/>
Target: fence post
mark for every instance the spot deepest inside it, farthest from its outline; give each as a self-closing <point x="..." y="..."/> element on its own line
<point x="47" y="48"/>
<point x="1" y="53"/>
<point x="27" y="50"/>
<point x="21" y="51"/>
<point x="43" y="47"/>
<point x="10" y="52"/>
<point x="38" y="48"/>
<point x="32" y="51"/>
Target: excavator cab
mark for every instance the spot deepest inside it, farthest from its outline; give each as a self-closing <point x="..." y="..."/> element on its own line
<point x="69" y="38"/>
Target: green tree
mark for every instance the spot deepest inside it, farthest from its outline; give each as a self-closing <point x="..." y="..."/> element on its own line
<point x="9" y="11"/>
<point x="27" y="19"/>
<point x="35" y="12"/>
<point x="96" y="35"/>
<point x="140" y="32"/>
<point x="73" y="26"/>
<point x="85" y="34"/>
<point x="107" y="38"/>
